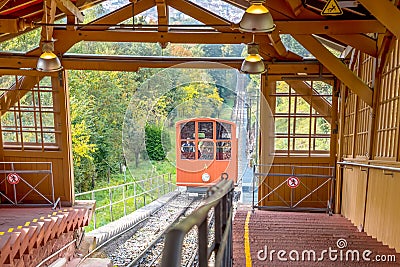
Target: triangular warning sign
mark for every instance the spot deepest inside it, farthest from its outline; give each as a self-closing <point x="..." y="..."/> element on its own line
<point x="332" y="8"/>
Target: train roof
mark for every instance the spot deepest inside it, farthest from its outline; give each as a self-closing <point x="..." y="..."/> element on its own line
<point x="203" y="119"/>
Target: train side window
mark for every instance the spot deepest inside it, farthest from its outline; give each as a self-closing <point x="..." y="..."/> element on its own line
<point x="224" y="130"/>
<point x="187" y="149"/>
<point x="206" y="130"/>
<point x="206" y="150"/>
<point x="187" y="130"/>
<point x="224" y="150"/>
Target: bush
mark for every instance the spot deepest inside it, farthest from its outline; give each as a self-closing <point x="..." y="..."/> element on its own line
<point x="157" y="142"/>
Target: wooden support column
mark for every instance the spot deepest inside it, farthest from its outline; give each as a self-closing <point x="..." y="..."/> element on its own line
<point x="65" y="183"/>
<point x="386" y="12"/>
<point x="333" y="64"/>
<point x="339" y="178"/>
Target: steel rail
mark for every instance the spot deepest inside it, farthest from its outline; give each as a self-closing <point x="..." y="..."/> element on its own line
<point x="159" y="236"/>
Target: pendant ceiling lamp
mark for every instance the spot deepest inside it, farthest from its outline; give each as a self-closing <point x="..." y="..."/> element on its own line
<point x="253" y="63"/>
<point x="48" y="61"/>
<point x="257" y="18"/>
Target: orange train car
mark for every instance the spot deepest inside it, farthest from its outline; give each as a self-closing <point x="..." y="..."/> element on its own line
<point x="206" y="150"/>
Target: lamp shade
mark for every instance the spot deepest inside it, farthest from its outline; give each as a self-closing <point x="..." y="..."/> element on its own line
<point x="252" y="67"/>
<point x="253" y="63"/>
<point x="257" y="18"/>
<point x="48" y="62"/>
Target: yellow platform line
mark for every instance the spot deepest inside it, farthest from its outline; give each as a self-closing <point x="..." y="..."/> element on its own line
<point x="247" y="241"/>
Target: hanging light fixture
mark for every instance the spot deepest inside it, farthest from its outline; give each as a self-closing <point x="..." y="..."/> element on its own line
<point x="253" y="63"/>
<point x="257" y="18"/>
<point x="48" y="61"/>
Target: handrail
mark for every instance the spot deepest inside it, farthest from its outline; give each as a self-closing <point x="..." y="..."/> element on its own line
<point x="221" y="201"/>
<point x="385" y="168"/>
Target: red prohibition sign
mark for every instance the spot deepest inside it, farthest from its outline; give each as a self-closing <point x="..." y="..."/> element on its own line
<point x="293" y="182"/>
<point x="13" y="178"/>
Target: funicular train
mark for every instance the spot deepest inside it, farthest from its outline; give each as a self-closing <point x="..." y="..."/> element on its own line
<point x="206" y="151"/>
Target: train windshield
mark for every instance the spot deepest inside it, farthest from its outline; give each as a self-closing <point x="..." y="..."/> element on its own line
<point x="205" y="140"/>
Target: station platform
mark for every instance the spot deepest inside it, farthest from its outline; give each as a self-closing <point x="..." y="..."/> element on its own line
<point x="30" y="234"/>
<point x="271" y="238"/>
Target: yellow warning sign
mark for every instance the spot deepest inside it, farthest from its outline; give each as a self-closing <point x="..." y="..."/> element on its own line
<point x="332" y="8"/>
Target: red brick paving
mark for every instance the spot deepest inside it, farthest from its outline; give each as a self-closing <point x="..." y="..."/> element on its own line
<point x="297" y="232"/>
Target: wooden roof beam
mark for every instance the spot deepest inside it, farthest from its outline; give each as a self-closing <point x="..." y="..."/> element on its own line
<point x="163" y="16"/>
<point x="296" y="6"/>
<point x="69" y="8"/>
<point x="50" y="12"/>
<point x="360" y="42"/>
<point x="132" y="63"/>
<point x="280" y="47"/>
<point x="333" y="64"/>
<point x="201" y="14"/>
<point x="386" y="12"/>
<point x="329" y="27"/>
<point x="210" y="37"/>
<point x="310" y="95"/>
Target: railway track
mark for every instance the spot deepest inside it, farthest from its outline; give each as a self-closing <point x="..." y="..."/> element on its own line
<point x="142" y="244"/>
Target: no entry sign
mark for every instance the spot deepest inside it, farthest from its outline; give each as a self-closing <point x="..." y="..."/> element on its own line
<point x="13" y="178"/>
<point x="293" y="182"/>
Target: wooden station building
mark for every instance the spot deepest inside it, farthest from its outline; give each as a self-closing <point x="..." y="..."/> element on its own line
<point x="362" y="108"/>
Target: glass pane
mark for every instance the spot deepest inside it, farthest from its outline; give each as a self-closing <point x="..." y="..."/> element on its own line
<point x="302" y="106"/>
<point x="48" y="119"/>
<point x="187" y="149"/>
<point x="206" y="150"/>
<point x="205" y="130"/>
<point x="9" y="137"/>
<point x="323" y="127"/>
<point x="301" y="144"/>
<point x="29" y="137"/>
<point x="49" y="138"/>
<point x="302" y="126"/>
<point x="224" y="130"/>
<point x="282" y="104"/>
<point x="223" y="150"/>
<point x="281" y="144"/>
<point x="322" y="144"/>
<point x="282" y="87"/>
<point x="187" y="130"/>
<point x="281" y="125"/>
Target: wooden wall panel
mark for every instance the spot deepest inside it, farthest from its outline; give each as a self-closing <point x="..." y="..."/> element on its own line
<point x="378" y="137"/>
<point x="354" y="188"/>
<point x="387" y="126"/>
<point x="382" y="212"/>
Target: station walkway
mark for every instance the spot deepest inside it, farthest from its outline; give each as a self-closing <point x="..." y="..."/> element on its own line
<point x="271" y="238"/>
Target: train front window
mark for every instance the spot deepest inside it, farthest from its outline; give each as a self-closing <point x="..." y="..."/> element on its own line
<point x="224" y="130"/>
<point x="187" y="149"/>
<point x="206" y="150"/>
<point x="206" y="130"/>
<point x="224" y="151"/>
<point x="187" y="130"/>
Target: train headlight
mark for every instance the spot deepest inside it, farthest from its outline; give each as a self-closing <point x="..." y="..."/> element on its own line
<point x="205" y="177"/>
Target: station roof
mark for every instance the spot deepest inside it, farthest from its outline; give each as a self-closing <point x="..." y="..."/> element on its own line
<point x="363" y="26"/>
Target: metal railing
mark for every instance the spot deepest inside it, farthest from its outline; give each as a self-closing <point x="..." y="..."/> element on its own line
<point x="17" y="174"/>
<point x="221" y="245"/>
<point x="132" y="195"/>
<point x="384" y="168"/>
<point x="326" y="176"/>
